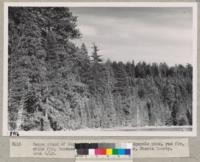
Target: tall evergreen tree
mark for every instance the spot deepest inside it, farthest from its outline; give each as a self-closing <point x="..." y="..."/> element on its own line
<point x="95" y="57"/>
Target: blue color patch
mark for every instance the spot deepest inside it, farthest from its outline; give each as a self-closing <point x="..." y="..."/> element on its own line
<point x="127" y="151"/>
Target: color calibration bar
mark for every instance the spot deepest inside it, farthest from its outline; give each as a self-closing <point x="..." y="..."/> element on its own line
<point x="103" y="150"/>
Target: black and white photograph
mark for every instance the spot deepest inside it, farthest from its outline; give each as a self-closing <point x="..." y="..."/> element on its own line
<point x="100" y="69"/>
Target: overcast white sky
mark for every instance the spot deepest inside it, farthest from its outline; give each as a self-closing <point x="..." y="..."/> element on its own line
<point x="140" y="34"/>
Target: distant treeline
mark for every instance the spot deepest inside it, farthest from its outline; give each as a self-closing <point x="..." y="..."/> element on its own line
<point x="56" y="85"/>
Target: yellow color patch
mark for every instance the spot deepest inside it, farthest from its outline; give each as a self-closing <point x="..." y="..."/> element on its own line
<point x="108" y="151"/>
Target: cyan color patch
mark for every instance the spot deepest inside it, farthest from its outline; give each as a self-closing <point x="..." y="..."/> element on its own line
<point x="121" y="151"/>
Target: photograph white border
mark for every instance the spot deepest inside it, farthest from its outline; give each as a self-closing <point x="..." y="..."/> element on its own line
<point x="99" y="132"/>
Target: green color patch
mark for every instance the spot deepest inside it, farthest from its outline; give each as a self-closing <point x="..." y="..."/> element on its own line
<point x="114" y="152"/>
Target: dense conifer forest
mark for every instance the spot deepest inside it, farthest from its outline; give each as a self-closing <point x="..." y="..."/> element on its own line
<point x="56" y="85"/>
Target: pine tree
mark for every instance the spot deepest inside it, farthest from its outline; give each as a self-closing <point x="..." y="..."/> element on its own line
<point x="24" y="65"/>
<point x="37" y="55"/>
<point x="95" y="57"/>
<point x="122" y="84"/>
<point x="84" y="64"/>
<point x="140" y="71"/>
<point x="130" y="69"/>
<point x="97" y="73"/>
<point x="163" y="69"/>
